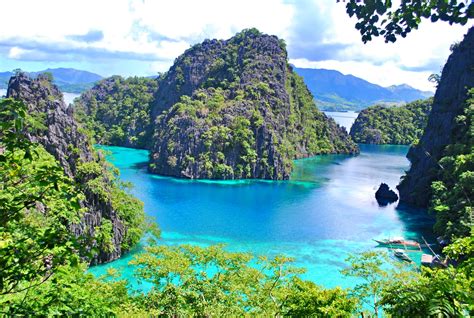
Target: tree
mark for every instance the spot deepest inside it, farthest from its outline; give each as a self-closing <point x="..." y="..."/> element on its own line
<point x="436" y="292"/>
<point x="204" y="282"/>
<point x="379" y="18"/>
<point x="37" y="205"/>
<point x="367" y="267"/>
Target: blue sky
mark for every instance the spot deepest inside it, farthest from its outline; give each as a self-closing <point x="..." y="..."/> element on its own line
<point x="144" y="37"/>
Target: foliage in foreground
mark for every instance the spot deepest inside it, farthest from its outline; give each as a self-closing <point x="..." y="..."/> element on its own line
<point x="438" y="292"/>
<point x="37" y="204"/>
<point x="40" y="206"/>
<point x="380" y="17"/>
<point x="187" y="281"/>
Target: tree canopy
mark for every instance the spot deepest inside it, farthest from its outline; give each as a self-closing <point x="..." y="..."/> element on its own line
<point x="382" y="18"/>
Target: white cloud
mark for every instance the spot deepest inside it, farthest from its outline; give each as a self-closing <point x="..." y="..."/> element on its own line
<point x="160" y="30"/>
<point x="425" y="49"/>
<point x="15" y="52"/>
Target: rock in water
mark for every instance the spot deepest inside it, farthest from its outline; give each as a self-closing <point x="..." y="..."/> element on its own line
<point x="236" y="109"/>
<point x="385" y="195"/>
<point x="449" y="102"/>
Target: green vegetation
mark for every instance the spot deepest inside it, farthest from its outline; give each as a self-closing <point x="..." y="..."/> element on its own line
<point x="42" y="273"/>
<point x="29" y="162"/>
<point x="117" y="111"/>
<point x="401" y="125"/>
<point x="454" y="189"/>
<point x="439" y="292"/>
<point x="245" y="115"/>
<point x="37" y="204"/>
<point x="377" y="18"/>
<point x="211" y="282"/>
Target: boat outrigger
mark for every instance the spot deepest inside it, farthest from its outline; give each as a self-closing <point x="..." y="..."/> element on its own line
<point x="398" y="242"/>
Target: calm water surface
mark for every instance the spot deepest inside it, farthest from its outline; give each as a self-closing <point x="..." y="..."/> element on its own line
<point x="326" y="211"/>
<point x="345" y="119"/>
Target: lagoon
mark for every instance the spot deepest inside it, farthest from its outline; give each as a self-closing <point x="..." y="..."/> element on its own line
<point x="326" y="211"/>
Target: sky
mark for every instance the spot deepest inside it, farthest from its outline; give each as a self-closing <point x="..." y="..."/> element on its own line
<point x="143" y="37"/>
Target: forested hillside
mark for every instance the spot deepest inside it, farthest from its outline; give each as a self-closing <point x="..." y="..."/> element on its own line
<point x="117" y="111"/>
<point x="399" y="125"/>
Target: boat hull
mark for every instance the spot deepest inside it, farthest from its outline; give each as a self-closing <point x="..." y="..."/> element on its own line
<point x="406" y="245"/>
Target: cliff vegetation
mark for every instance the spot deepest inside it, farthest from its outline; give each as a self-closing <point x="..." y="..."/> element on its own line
<point x="399" y="125"/>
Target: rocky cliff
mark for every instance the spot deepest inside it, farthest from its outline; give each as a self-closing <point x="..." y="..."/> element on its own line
<point x="449" y="102"/>
<point x="54" y="127"/>
<point x="400" y="125"/>
<point x="230" y="109"/>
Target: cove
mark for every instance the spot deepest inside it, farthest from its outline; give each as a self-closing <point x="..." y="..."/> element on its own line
<point x="326" y="211"/>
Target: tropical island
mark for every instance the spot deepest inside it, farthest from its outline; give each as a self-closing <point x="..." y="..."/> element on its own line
<point x="198" y="140"/>
<point x="399" y="125"/>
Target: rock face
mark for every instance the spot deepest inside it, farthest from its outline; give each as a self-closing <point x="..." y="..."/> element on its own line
<point x="60" y="136"/>
<point x="235" y="109"/>
<point x="385" y="195"/>
<point x="449" y="101"/>
<point x="401" y="125"/>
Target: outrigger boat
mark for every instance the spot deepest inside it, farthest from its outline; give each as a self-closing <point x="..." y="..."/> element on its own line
<point x="399" y="242"/>
<point x="402" y="255"/>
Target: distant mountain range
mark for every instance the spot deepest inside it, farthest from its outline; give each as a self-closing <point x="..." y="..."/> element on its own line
<point x="68" y="79"/>
<point x="336" y="91"/>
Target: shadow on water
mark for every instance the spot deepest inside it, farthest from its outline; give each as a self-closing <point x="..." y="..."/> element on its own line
<point x="140" y="165"/>
<point x="417" y="221"/>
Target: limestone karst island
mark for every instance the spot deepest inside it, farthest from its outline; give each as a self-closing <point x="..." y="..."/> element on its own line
<point x="237" y="158"/>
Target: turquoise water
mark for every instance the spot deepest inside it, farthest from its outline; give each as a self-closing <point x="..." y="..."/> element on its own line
<point x="326" y="211"/>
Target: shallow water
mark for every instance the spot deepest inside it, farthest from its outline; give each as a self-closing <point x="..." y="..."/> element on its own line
<point x="326" y="211"/>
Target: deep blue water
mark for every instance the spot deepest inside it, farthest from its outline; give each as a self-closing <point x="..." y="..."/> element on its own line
<point x="326" y="211"/>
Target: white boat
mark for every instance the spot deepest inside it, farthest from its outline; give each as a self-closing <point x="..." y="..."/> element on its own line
<point x="399" y="242"/>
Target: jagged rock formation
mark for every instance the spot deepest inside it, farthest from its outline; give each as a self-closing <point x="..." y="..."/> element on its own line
<point x="56" y="130"/>
<point x="117" y="110"/>
<point x="449" y="102"/>
<point x="401" y="125"/>
<point x="385" y="195"/>
<point x="235" y="109"/>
